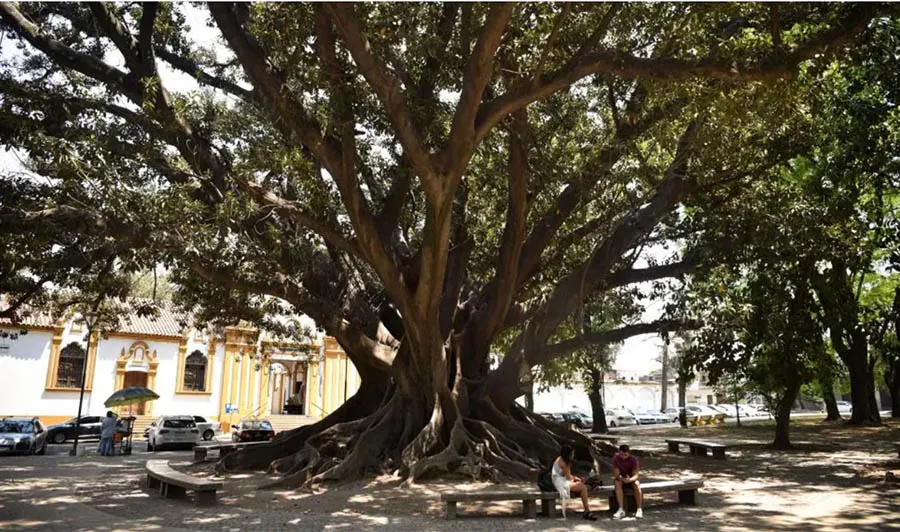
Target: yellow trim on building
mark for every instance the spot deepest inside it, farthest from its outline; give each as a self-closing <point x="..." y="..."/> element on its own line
<point x="152" y="364"/>
<point x="50" y="384"/>
<point x="182" y="360"/>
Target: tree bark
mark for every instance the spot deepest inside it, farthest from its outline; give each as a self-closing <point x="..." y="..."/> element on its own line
<point x="892" y="380"/>
<point x="783" y="417"/>
<point x="682" y="398"/>
<point x="831" y="409"/>
<point x="595" y="394"/>
<point x="665" y="375"/>
<point x="862" y="382"/>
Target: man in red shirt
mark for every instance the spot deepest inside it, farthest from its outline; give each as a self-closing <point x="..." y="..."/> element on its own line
<point x="626" y="470"/>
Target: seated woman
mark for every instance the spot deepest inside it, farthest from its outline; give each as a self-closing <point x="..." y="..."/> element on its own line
<point x="567" y="484"/>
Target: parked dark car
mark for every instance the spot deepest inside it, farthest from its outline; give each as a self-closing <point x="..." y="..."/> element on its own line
<point x="88" y="429"/>
<point x="22" y="436"/>
<point x="579" y="419"/>
<point x="252" y="430"/>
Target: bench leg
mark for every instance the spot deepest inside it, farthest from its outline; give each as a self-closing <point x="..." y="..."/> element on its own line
<point x="199" y="455"/>
<point x="687" y="497"/>
<point x="548" y="507"/>
<point x="673" y="447"/>
<point x="529" y="508"/>
<point x="451" y="510"/>
<point x="627" y="498"/>
<point x="698" y="451"/>
<point x="152" y="482"/>
<point x="205" y="498"/>
<point x="174" y="492"/>
<point x="719" y="453"/>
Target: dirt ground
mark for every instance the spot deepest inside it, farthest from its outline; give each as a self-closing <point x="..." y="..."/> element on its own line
<point x="833" y="481"/>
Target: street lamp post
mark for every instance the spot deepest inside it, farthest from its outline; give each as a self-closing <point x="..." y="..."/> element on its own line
<point x="89" y="320"/>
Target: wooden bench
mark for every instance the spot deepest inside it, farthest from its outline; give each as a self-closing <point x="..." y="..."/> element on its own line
<point x="699" y="448"/>
<point x="686" y="489"/>
<point x="174" y="484"/>
<point x="605" y="437"/>
<point x="687" y="494"/>
<point x="201" y="450"/>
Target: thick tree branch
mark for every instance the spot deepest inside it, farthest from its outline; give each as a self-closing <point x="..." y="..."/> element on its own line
<point x="106" y="16"/>
<point x="388" y="90"/>
<point x="282" y="106"/>
<point x="63" y="55"/>
<point x="625" y="65"/>
<point x="145" y="30"/>
<point x="560" y="349"/>
<point x="195" y="70"/>
<point x="503" y="286"/>
<point x="477" y="75"/>
<point x="651" y="273"/>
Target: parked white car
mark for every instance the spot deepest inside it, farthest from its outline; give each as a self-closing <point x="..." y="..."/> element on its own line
<point x="661" y="417"/>
<point x="672" y="414"/>
<point x="619" y="418"/>
<point x="207" y="427"/>
<point x="171" y="431"/>
<point x="844" y="407"/>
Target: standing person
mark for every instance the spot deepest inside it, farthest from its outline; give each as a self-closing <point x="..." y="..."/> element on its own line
<point x="107" y="433"/>
<point x="567" y="484"/>
<point x="626" y="470"/>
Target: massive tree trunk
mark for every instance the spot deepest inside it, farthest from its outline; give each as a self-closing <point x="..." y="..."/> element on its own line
<point x="831" y="409"/>
<point x="595" y="394"/>
<point x="862" y="381"/>
<point x="682" y="398"/>
<point x="892" y="380"/>
<point x="783" y="417"/>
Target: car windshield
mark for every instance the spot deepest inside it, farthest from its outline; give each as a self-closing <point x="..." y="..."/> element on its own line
<point x="257" y="425"/>
<point x="13" y="427"/>
<point x="653" y="412"/>
<point x="178" y="423"/>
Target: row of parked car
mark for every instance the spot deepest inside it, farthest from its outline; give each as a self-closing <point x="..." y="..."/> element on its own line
<point x="625" y="416"/>
<point x="181" y="431"/>
<point x="30" y="436"/>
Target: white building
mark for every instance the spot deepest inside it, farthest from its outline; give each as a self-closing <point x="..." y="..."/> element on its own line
<point x="225" y="375"/>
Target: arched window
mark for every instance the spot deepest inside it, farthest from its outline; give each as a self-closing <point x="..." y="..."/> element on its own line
<point x="72" y="359"/>
<point x="195" y="372"/>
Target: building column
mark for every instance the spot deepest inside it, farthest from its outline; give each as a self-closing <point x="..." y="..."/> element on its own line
<point x="225" y="389"/>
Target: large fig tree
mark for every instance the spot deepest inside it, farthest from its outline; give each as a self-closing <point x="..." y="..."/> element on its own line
<point x="420" y="179"/>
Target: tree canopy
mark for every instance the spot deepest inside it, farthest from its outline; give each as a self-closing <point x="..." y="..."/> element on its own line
<point x="429" y="176"/>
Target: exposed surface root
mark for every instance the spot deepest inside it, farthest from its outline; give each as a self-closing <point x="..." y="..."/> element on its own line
<point x="396" y="438"/>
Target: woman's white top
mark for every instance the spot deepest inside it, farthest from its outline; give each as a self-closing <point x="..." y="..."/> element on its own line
<point x="560" y="482"/>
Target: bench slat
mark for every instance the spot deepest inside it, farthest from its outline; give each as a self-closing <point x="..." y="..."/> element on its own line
<point x="161" y="470"/>
<point x="697" y="443"/>
<point x="475" y="496"/>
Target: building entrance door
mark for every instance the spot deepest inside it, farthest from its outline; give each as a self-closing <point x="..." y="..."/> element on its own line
<point x="134" y="378"/>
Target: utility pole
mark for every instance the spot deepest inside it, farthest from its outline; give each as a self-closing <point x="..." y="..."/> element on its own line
<point x="665" y="372"/>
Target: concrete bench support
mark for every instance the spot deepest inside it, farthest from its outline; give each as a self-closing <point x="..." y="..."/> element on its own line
<point x="686" y="489"/>
<point x="174" y="484"/>
<point x="699" y="448"/>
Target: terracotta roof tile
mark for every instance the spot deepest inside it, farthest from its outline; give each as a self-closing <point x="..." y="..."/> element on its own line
<point x="165" y="320"/>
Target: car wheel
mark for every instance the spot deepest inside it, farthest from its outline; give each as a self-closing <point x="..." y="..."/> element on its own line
<point x="208" y="434"/>
<point x="154" y="447"/>
<point x="59" y="437"/>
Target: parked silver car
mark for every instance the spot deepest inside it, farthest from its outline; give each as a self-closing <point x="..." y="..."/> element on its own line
<point x="22" y="436"/>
